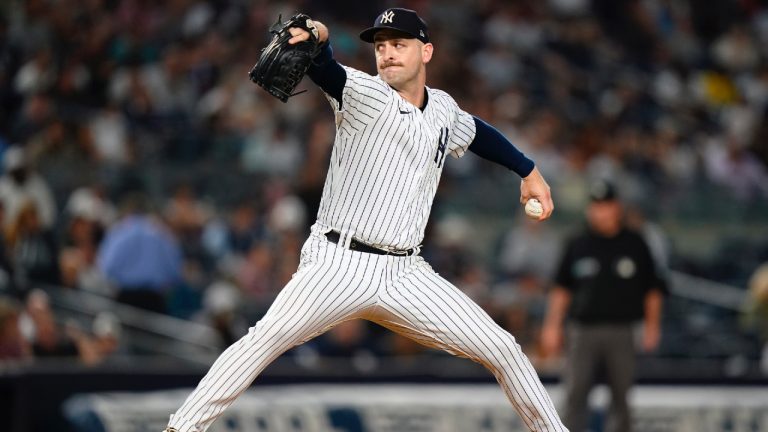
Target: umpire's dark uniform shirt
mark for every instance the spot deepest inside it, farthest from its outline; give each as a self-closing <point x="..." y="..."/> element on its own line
<point x="608" y="277"/>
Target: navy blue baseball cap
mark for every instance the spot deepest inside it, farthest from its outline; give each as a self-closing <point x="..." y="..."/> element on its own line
<point x="403" y="20"/>
<point x="603" y="190"/>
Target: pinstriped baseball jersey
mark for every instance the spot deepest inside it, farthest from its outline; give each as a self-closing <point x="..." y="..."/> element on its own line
<point x="398" y="151"/>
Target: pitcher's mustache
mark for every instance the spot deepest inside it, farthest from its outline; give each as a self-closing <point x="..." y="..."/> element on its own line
<point x="388" y="64"/>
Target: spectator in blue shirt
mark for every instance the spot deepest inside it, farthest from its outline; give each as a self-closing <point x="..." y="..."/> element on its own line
<point x="141" y="257"/>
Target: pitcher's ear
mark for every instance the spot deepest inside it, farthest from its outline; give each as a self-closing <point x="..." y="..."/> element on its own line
<point x="426" y="52"/>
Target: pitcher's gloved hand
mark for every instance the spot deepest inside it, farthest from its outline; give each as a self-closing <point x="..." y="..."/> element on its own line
<point x="282" y="65"/>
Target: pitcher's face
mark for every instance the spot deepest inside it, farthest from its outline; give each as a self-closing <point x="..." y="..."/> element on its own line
<point x="400" y="59"/>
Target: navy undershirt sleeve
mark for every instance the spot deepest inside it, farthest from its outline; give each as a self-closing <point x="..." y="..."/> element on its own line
<point x="490" y="144"/>
<point x="327" y="73"/>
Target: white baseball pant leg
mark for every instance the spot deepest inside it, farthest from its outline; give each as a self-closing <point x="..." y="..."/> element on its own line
<point x="332" y="285"/>
<point x="403" y="294"/>
<point x="420" y="304"/>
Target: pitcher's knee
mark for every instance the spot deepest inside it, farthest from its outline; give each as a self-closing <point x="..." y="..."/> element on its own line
<point x="500" y="351"/>
<point x="286" y="334"/>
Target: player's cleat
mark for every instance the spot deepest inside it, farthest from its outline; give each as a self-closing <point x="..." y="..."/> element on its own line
<point x="170" y="429"/>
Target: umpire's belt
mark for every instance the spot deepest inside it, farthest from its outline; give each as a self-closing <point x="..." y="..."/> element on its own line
<point x="357" y="245"/>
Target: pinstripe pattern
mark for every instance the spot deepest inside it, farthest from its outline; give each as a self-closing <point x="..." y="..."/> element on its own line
<point x="404" y="294"/>
<point x="420" y="304"/>
<point x="383" y="176"/>
<point x="330" y="287"/>
<point x="384" y="170"/>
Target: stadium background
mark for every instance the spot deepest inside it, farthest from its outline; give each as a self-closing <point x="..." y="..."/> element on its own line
<point x="108" y="98"/>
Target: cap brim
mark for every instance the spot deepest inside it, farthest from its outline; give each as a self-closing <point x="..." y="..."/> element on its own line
<point x="368" y="34"/>
<point x="603" y="199"/>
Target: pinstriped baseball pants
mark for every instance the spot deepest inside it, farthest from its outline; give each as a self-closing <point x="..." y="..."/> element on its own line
<point x="403" y="294"/>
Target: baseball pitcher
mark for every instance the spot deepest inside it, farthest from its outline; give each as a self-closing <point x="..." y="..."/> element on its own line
<point x="362" y="260"/>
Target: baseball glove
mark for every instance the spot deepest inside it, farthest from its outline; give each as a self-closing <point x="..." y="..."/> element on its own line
<point x="281" y="66"/>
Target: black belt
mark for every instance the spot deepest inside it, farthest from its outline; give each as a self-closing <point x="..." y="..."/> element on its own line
<point x="357" y="245"/>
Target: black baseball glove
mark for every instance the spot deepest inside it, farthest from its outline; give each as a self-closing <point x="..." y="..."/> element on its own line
<point x="281" y="66"/>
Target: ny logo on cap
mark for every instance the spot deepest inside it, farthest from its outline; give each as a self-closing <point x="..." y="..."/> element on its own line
<point x="387" y="16"/>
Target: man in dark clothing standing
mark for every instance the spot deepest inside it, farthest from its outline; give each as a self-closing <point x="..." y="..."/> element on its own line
<point x="606" y="281"/>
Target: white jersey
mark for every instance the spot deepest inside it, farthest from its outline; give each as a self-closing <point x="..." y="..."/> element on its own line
<point x="387" y="160"/>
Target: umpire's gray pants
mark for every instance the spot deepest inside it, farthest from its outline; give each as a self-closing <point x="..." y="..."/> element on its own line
<point x="591" y="347"/>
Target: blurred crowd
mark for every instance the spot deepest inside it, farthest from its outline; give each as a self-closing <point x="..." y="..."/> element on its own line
<point x="128" y="128"/>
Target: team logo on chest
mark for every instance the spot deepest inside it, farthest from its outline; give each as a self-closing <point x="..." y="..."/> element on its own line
<point x="441" y="144"/>
<point x="625" y="267"/>
<point x="586" y="267"/>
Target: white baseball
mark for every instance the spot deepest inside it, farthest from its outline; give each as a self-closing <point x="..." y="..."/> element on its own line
<point x="533" y="208"/>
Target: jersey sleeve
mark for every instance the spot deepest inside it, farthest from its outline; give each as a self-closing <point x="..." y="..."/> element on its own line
<point x="362" y="98"/>
<point x="327" y="73"/>
<point x="490" y="144"/>
<point x="463" y="132"/>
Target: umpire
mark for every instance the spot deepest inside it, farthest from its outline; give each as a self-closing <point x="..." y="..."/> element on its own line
<point x="606" y="282"/>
